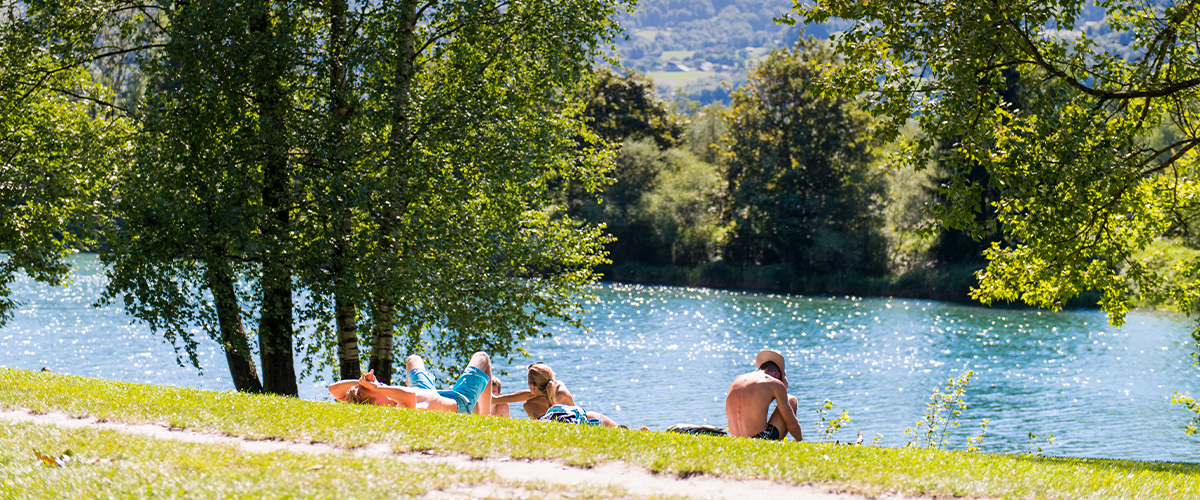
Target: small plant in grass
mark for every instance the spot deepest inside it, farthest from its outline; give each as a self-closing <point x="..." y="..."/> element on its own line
<point x="941" y="414"/>
<point x="1034" y="446"/>
<point x="878" y="436"/>
<point x="830" y="426"/>
<point x="974" y="442"/>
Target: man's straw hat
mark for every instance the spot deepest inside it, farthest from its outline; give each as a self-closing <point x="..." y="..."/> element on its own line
<point x="769" y="355"/>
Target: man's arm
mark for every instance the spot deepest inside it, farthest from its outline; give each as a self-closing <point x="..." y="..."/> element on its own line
<point x="785" y="411"/>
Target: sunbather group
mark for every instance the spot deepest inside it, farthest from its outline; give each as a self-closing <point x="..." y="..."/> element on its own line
<point x="548" y="399"/>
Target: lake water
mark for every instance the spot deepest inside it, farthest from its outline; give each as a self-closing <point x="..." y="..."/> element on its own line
<point x="657" y="356"/>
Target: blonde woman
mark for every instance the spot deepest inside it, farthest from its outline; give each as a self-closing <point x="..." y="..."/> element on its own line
<point x="548" y="399"/>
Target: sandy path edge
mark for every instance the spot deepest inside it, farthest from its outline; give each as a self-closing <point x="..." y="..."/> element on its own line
<point x="636" y="480"/>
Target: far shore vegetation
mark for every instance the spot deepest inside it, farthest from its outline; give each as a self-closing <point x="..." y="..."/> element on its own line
<point x="139" y="466"/>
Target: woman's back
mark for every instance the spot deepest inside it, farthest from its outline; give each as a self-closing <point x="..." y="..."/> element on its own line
<point x="537" y="407"/>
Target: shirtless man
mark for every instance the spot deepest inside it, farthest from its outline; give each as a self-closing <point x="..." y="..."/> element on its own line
<point x="470" y="393"/>
<point x="751" y="394"/>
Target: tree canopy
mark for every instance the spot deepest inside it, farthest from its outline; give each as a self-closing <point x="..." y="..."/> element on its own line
<point x="389" y="164"/>
<point x="59" y="145"/>
<point x="1098" y="164"/>
<point x="802" y="190"/>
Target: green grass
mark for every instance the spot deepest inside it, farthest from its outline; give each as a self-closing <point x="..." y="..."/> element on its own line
<point x="112" y="464"/>
<point x="108" y="464"/>
<point x="860" y="469"/>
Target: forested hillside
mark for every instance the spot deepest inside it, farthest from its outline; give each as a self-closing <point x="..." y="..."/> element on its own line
<point x="710" y="39"/>
<point x="701" y="47"/>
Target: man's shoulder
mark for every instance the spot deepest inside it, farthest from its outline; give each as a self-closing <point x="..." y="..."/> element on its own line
<point x="755" y="378"/>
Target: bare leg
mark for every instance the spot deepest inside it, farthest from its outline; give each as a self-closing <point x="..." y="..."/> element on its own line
<point x="605" y="421"/>
<point x="411" y="363"/>
<point x="481" y="361"/>
<point x="498" y="410"/>
<point x="777" y="419"/>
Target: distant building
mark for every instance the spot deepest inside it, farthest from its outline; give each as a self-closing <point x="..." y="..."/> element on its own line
<point x="706" y="66"/>
<point x="674" y="65"/>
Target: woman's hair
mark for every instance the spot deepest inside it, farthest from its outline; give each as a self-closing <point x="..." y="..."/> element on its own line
<point x="541" y="377"/>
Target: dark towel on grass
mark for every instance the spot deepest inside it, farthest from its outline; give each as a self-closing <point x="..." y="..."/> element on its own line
<point x="703" y="430"/>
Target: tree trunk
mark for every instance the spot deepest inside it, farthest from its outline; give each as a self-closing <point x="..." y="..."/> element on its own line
<point x="349" y="366"/>
<point x="346" y="314"/>
<point x="275" y="325"/>
<point x="233" y="336"/>
<point x="381" y="353"/>
<point x="403" y="74"/>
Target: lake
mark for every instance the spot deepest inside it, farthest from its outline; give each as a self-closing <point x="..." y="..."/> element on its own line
<point x="657" y="356"/>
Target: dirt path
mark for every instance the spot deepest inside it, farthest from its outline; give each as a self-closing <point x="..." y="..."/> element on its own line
<point x="636" y="480"/>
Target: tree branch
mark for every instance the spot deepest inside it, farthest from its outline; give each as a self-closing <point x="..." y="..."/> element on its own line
<point x="1119" y="95"/>
<point x="90" y="99"/>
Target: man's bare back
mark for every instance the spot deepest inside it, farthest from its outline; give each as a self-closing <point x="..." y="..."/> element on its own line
<point x="750" y="397"/>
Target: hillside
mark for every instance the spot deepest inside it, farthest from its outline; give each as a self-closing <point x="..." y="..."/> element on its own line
<point x="693" y="46"/>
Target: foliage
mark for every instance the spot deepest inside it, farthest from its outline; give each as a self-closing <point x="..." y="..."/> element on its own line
<point x="942" y="412"/>
<point x="1083" y="183"/>
<point x="58" y="147"/>
<point x="659" y="206"/>
<point x="375" y="157"/>
<point x="683" y="210"/>
<point x="1162" y="256"/>
<point x="830" y="426"/>
<point x="621" y="108"/>
<point x="707" y="132"/>
<point x="802" y="191"/>
<point x="874" y="470"/>
<point x="1192" y="405"/>
<point x="908" y="225"/>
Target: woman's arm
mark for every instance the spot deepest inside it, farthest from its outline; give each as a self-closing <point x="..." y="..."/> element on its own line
<point x="515" y="397"/>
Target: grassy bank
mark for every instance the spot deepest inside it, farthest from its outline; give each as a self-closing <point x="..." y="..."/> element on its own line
<point x="861" y="469"/>
<point x="108" y="464"/>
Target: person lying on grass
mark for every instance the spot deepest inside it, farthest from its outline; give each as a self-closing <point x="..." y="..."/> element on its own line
<point x="751" y="395"/>
<point x="469" y="394"/>
<point x="549" y="400"/>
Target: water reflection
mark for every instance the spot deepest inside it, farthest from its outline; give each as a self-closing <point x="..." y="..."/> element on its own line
<point x="660" y="355"/>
